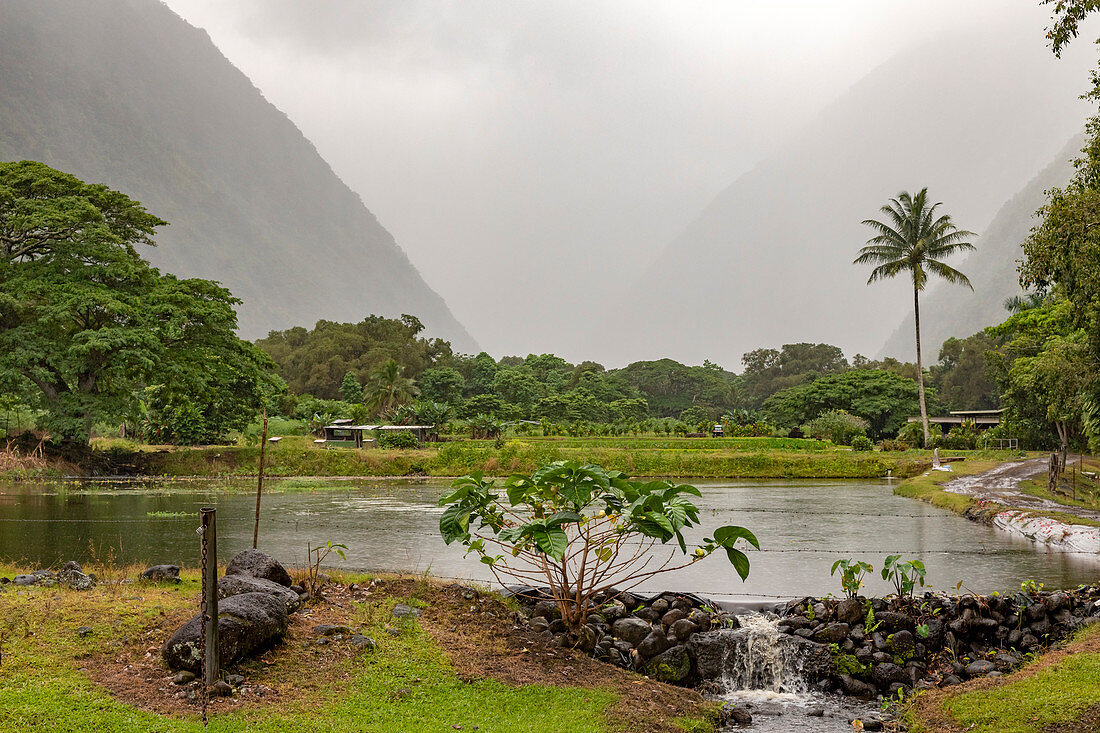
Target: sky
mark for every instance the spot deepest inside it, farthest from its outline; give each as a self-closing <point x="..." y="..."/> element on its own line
<point x="533" y="158"/>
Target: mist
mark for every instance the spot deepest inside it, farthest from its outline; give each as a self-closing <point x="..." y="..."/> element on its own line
<point x="542" y="163"/>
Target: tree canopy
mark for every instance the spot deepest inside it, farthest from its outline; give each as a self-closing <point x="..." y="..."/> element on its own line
<point x="90" y="331"/>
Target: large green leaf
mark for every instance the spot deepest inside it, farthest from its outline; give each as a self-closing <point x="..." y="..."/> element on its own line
<point x="739" y="560"/>
<point x="563" y="518"/>
<point x="552" y="541"/>
<point x="455" y="523"/>
<point x="726" y="536"/>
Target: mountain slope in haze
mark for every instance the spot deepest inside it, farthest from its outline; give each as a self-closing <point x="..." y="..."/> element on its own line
<point x="769" y="261"/>
<point x="950" y="310"/>
<point x="126" y="93"/>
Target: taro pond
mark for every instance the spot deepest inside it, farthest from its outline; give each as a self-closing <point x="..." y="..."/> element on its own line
<point x="803" y="526"/>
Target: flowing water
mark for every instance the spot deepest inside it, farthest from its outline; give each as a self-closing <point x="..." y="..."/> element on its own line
<point x="803" y="527"/>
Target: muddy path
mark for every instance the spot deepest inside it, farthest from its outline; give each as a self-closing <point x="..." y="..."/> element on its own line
<point x="1001" y="485"/>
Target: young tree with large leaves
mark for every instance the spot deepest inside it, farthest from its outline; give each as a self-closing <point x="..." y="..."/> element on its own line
<point x="86" y="324"/>
<point x="914" y="240"/>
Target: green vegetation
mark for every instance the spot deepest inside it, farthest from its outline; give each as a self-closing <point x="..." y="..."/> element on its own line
<point x="1059" y="691"/>
<point x="89" y="331"/>
<point x="579" y="528"/>
<point x="661" y="457"/>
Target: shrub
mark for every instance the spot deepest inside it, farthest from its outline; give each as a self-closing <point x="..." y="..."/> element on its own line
<point x="582" y="531"/>
<point x="397" y="439"/>
<point x="837" y="426"/>
<point x="862" y="443"/>
<point x="912" y="434"/>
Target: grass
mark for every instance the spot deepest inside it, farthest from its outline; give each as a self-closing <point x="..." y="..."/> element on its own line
<point x="1058" y="692"/>
<point x="673" y="457"/>
<point x="112" y="680"/>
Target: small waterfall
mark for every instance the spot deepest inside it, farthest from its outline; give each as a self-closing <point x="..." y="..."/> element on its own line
<point x="758" y="657"/>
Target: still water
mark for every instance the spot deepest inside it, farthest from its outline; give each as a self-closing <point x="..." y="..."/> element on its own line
<point x="803" y="527"/>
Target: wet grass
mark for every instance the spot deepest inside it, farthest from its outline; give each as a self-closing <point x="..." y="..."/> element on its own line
<point x="1060" y="691"/>
<point x="111" y="680"/>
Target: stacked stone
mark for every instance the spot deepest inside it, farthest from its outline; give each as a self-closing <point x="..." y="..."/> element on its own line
<point x="933" y="640"/>
<point x="649" y="635"/>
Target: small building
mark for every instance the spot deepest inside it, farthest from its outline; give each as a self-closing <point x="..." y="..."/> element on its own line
<point x="982" y="419"/>
<point x="342" y="434"/>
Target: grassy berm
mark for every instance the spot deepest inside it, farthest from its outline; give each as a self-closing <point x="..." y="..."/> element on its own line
<point x="464" y="665"/>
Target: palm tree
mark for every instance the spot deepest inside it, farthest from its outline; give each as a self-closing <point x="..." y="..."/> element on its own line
<point x="388" y="388"/>
<point x="914" y="240"/>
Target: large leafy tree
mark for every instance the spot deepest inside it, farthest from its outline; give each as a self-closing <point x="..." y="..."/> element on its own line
<point x="882" y="398"/>
<point x="86" y="324"/>
<point x="913" y="240"/>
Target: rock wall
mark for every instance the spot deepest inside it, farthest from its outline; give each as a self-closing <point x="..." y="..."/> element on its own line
<point x="856" y="646"/>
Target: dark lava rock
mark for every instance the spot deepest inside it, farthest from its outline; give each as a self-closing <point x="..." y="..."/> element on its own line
<point x="161" y="574"/>
<point x="363" y="643"/>
<point x="660" y="606"/>
<point x="672" y="665"/>
<point x="683" y="628"/>
<point x="950" y="679"/>
<point x="613" y="610"/>
<point x="235" y="585"/>
<point x="856" y="688"/>
<point x="221" y="688"/>
<point x="832" y="634"/>
<point x="733" y="715"/>
<point x="902" y="644"/>
<point x="74" y="579"/>
<point x="548" y="610"/>
<point x="673" y="616"/>
<point x="648" y="614"/>
<point x="234" y="680"/>
<point x="84" y="631"/>
<point x="795" y="622"/>
<point x="330" y="629"/>
<point x="183" y="678"/>
<point x="883" y="675"/>
<point x="538" y="623"/>
<point x="652" y="645"/>
<point x="259" y="565"/>
<point x="25" y="579"/>
<point x="402" y="610"/>
<point x="631" y="630"/>
<point x="894" y="622"/>
<point x="245" y="623"/>
<point x="980" y="668"/>
<point x="850" y="611"/>
<point x="870" y="724"/>
<point x="709" y="650"/>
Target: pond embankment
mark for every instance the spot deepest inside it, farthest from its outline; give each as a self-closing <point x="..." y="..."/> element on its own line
<point x="998" y="495"/>
<point x="655" y="457"/>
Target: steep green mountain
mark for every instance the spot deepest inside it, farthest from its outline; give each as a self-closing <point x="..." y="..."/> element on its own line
<point x="971" y="116"/>
<point x="948" y="311"/>
<point x="126" y="93"/>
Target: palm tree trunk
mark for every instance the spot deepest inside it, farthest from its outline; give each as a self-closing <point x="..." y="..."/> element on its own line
<point x="920" y="367"/>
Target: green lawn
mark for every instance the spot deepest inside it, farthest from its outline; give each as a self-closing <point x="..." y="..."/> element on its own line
<point x="51" y="679"/>
<point x="1054" y="690"/>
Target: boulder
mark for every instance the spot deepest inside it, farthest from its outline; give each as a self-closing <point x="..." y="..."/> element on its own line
<point x="25" y="579"/>
<point x="259" y="565"/>
<point x="893" y="621"/>
<point x="73" y="578"/>
<point x="653" y="644"/>
<point x="161" y="574"/>
<point x="883" y="675"/>
<point x="710" y="651"/>
<point x="980" y="668"/>
<point x="856" y="688"/>
<point x="832" y="634"/>
<point x="682" y="629"/>
<point x="850" y="611"/>
<point x="246" y="622"/>
<point x="235" y="585"/>
<point x="631" y="630"/>
<point x="672" y="665"/>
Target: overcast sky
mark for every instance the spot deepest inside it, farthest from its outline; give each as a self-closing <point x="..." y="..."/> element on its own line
<point x="528" y="154"/>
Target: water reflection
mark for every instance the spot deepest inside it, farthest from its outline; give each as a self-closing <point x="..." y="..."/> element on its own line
<point x="804" y="526"/>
